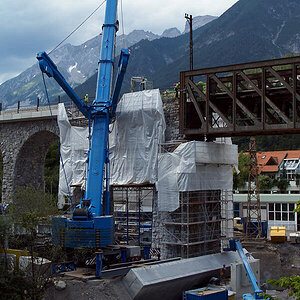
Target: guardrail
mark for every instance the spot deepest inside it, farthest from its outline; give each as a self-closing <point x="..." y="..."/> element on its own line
<point x="21" y="107"/>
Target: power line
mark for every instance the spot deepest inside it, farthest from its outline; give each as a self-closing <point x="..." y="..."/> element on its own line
<point x="122" y="23"/>
<point x="77" y="27"/>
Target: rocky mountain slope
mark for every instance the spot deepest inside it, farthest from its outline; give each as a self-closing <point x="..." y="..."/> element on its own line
<point x="199" y="21"/>
<point x="76" y="63"/>
<point x="248" y="31"/>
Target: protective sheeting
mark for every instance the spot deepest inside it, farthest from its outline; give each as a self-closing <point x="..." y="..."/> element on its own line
<point x="134" y="142"/>
<point x="136" y="134"/>
<point x="134" y="146"/>
<point x="194" y="166"/>
<point x="74" y="146"/>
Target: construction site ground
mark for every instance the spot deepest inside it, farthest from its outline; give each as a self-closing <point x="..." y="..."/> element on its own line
<point x="276" y="260"/>
<point x="82" y="289"/>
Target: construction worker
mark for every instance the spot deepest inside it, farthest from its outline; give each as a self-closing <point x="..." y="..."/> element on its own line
<point x="177" y="86"/>
<point x="86" y="98"/>
<point x="222" y="274"/>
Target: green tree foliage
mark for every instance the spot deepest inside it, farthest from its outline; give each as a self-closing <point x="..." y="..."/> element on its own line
<point x="202" y="86"/>
<point x="14" y="286"/>
<point x="282" y="183"/>
<point x="51" y="170"/>
<point x="243" y="166"/>
<point x="291" y="283"/>
<point x="29" y="207"/>
<point x="270" y="143"/>
<point x="265" y="183"/>
<point x="297" y="209"/>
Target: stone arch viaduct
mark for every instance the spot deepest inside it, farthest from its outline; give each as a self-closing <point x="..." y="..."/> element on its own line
<point x="25" y="138"/>
<point x="26" y="135"/>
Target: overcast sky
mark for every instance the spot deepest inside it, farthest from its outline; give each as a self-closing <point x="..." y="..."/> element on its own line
<point x="30" y="26"/>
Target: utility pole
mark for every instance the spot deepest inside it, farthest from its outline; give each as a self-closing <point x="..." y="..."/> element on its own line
<point x="253" y="225"/>
<point x="190" y="21"/>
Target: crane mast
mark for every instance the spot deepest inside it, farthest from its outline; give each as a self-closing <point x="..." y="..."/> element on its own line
<point x="98" y="154"/>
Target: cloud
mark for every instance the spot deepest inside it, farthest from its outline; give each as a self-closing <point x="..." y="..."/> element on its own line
<point x="31" y="26"/>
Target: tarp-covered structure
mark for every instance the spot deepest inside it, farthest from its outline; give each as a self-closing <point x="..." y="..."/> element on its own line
<point x="194" y="166"/>
<point x="134" y="141"/>
<point x="135" y="138"/>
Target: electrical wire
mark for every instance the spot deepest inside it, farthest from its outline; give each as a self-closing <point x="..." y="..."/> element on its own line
<point x="56" y="135"/>
<point x="122" y="24"/>
<point x="77" y="27"/>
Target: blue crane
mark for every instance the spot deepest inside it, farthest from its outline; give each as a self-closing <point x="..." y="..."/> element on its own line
<point x="90" y="226"/>
<point x="235" y="245"/>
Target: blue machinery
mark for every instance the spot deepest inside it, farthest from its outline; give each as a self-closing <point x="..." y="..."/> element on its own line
<point x="89" y="226"/>
<point x="235" y="245"/>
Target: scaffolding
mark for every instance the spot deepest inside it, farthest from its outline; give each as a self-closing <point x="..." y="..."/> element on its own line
<point x="133" y="207"/>
<point x="199" y="225"/>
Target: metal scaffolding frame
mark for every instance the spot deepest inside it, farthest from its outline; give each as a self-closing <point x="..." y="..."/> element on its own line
<point x="200" y="224"/>
<point x="133" y="210"/>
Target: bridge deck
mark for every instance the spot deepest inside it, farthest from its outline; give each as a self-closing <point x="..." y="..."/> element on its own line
<point x="247" y="99"/>
<point x="28" y="114"/>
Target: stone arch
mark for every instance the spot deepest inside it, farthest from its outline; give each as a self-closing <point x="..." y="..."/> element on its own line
<point x="1" y="173"/>
<point x="30" y="161"/>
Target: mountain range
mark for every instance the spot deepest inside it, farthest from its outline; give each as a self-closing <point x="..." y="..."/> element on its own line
<point x="77" y="64"/>
<point x="248" y="31"/>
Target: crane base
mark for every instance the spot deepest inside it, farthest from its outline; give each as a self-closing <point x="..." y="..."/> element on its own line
<point x="96" y="233"/>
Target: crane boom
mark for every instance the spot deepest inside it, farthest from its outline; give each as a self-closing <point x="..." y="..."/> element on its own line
<point x="235" y="245"/>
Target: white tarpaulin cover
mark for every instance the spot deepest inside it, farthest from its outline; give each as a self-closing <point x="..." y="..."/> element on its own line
<point x="74" y="146"/>
<point x="135" y="138"/>
<point x="134" y="146"/>
<point x="194" y="166"/>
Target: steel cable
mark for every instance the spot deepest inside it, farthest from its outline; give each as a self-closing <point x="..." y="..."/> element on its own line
<point x="77" y="27"/>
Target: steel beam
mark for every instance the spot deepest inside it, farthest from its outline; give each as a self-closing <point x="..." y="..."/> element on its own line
<point x="258" y="98"/>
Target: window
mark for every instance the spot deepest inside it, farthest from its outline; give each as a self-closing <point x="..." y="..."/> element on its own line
<point x="281" y="212"/>
<point x="284" y="206"/>
<point x="284" y="216"/>
<point x="278" y="216"/>
<point x="291" y="206"/>
<point x="236" y="209"/>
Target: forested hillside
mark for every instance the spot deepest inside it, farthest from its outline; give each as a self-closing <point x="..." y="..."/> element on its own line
<point x="270" y="143"/>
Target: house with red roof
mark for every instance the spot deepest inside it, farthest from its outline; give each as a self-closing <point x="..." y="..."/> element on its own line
<point x="276" y="163"/>
<point x="277" y="208"/>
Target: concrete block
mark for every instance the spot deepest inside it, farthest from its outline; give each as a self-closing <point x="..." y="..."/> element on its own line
<point x="11" y="260"/>
<point x="42" y="266"/>
<point x="239" y="278"/>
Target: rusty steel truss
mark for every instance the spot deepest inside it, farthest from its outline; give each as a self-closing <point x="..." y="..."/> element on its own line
<point x="247" y="99"/>
<point x="253" y="223"/>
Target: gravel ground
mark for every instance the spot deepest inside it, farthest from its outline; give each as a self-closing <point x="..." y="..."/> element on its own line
<point x="89" y="290"/>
